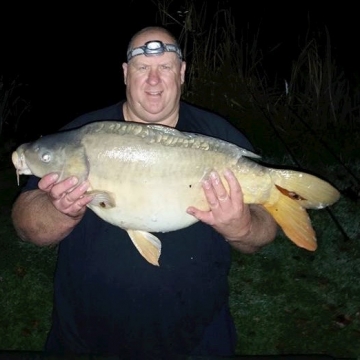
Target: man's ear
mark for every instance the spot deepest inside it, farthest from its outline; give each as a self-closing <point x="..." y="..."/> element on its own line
<point x="125" y="69"/>
<point x="182" y="72"/>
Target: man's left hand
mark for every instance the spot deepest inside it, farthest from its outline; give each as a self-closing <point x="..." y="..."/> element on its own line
<point x="228" y="214"/>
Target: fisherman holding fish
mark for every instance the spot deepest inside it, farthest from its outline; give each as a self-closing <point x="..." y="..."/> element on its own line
<point x="107" y="299"/>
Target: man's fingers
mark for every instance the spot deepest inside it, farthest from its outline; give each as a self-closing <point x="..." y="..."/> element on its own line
<point x="68" y="198"/>
<point x="77" y="192"/>
<point x="215" y="191"/>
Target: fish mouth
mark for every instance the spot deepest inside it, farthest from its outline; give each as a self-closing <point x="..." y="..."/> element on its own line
<point x="20" y="165"/>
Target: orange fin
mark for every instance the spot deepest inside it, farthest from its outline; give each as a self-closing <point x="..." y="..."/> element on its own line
<point x="148" y="245"/>
<point x="294" y="221"/>
<point x="309" y="191"/>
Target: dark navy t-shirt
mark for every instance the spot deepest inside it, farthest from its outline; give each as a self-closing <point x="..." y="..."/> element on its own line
<point x="109" y="300"/>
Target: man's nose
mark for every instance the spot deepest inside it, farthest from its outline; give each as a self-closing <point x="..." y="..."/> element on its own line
<point x="153" y="77"/>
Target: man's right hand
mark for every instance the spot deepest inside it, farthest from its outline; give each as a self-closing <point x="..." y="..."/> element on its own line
<point x="46" y="215"/>
<point x="67" y="196"/>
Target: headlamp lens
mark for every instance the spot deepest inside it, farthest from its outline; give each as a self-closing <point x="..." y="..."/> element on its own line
<point x="154" y="47"/>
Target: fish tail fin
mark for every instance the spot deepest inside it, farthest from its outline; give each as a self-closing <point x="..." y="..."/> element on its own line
<point x="294" y="221"/>
<point x="307" y="190"/>
<point x="294" y="192"/>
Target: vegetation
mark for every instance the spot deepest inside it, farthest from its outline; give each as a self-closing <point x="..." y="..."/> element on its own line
<point x="284" y="299"/>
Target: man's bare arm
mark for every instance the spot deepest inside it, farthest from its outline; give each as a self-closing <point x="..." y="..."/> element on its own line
<point x="262" y="230"/>
<point x="46" y="215"/>
<point x="36" y="219"/>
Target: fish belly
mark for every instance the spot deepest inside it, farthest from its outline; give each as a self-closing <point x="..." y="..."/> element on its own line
<point x="152" y="197"/>
<point x="153" y="185"/>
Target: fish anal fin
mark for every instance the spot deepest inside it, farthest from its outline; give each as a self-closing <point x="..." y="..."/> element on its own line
<point x="102" y="199"/>
<point x="148" y="245"/>
<point x="294" y="221"/>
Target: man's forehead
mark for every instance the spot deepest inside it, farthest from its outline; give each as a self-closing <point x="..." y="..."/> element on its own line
<point x="166" y="58"/>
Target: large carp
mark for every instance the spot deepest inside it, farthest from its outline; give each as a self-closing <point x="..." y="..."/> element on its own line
<point x="144" y="177"/>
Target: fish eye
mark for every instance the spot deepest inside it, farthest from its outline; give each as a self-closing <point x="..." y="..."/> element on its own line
<point x="46" y="157"/>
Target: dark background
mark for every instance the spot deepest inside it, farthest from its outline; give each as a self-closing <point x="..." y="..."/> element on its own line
<point x="70" y="57"/>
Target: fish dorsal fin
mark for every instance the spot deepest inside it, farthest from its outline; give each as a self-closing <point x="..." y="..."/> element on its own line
<point x="148" y="245"/>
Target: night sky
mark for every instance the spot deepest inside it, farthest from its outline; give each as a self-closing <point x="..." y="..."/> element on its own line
<point x="71" y="58"/>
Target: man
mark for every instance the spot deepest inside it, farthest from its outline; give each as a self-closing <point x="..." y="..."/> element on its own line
<point x="107" y="299"/>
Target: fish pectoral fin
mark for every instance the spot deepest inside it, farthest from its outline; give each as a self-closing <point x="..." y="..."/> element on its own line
<point x="294" y="221"/>
<point x="148" y="245"/>
<point x="102" y="199"/>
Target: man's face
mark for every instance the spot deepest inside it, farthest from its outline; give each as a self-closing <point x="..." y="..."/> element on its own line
<point x="153" y="83"/>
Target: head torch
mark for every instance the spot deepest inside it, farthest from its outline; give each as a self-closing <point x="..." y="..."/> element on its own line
<point x="154" y="47"/>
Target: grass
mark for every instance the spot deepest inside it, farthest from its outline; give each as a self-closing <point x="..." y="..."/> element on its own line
<point x="288" y="301"/>
<point x="25" y="281"/>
